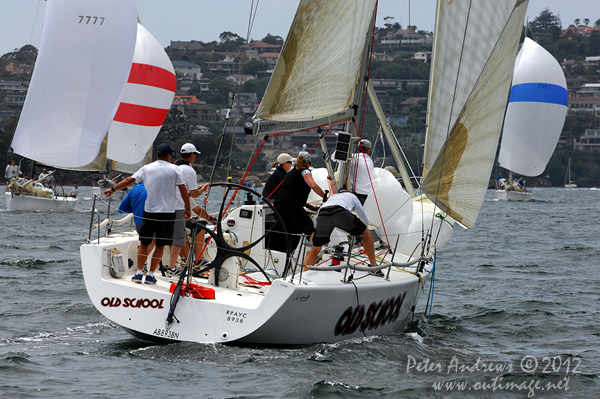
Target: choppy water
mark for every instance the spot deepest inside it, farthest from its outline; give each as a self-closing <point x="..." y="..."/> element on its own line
<point x="521" y="287"/>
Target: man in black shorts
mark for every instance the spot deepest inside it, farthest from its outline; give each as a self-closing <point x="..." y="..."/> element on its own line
<point x="337" y="212"/>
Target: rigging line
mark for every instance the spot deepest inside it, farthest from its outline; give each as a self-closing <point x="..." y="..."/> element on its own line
<point x="34" y="22"/>
<point x="374" y="194"/>
<point x="251" y="19"/>
<point x="224" y="129"/>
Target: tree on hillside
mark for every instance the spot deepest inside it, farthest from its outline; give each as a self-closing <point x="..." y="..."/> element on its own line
<point x="546" y="22"/>
<point x="586" y="21"/>
<point x="594" y="43"/>
<point x="597" y="24"/>
<point x="577" y="22"/>
<point x="229" y="41"/>
<point x="253" y="67"/>
<point x="270" y="39"/>
<point x="175" y="126"/>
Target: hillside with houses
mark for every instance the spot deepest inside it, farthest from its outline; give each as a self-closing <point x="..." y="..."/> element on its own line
<point x="230" y="73"/>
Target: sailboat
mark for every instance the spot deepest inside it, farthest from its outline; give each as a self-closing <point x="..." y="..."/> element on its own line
<point x="80" y="74"/>
<point x="124" y="88"/>
<point x="534" y="118"/>
<point x="568" y="182"/>
<point x="261" y="296"/>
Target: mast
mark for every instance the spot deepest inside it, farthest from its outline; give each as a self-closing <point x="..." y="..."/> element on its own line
<point x="389" y="136"/>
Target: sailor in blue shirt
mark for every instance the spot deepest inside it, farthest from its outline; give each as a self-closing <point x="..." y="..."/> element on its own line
<point x="134" y="203"/>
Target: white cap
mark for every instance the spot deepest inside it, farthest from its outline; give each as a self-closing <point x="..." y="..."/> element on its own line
<point x="283" y="158"/>
<point x="364" y="143"/>
<point x="189" y="148"/>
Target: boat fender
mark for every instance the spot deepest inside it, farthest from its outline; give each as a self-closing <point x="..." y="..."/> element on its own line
<point x="116" y="265"/>
<point x="197" y="291"/>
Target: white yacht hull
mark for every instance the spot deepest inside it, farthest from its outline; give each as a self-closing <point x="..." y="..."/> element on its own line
<point x="505" y="195"/>
<point x="318" y="307"/>
<point x="28" y="203"/>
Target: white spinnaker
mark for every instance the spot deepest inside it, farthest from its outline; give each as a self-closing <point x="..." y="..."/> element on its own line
<point x="319" y="66"/>
<point x="81" y="70"/>
<point x="145" y="103"/>
<point x="463" y="131"/>
<point x="536" y="111"/>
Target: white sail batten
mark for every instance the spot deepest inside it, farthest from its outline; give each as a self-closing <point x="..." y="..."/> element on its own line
<point x="465" y="113"/>
<point x="81" y="70"/>
<point x="318" y="69"/>
<point x="539" y="88"/>
<point x="145" y="103"/>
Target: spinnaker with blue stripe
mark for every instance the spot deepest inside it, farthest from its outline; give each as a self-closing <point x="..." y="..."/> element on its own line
<point x="536" y="111"/>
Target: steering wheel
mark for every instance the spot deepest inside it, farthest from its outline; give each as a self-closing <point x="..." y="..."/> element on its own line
<point x="224" y="249"/>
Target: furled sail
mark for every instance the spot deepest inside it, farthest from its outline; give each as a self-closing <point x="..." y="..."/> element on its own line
<point x="145" y="103"/>
<point x="536" y="111"/>
<point x="475" y="48"/>
<point x="80" y="74"/>
<point x="319" y="67"/>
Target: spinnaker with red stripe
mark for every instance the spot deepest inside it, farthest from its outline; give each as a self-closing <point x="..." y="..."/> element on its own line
<point x="145" y="103"/>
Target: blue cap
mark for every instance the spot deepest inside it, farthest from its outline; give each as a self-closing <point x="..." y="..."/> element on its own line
<point x="164" y="149"/>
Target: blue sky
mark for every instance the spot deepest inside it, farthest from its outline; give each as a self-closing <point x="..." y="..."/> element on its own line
<point x="202" y="20"/>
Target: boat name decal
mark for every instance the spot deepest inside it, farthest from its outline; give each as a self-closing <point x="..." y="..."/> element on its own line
<point x="235" y="317"/>
<point x="166" y="333"/>
<point x="374" y="317"/>
<point x="115" y="302"/>
<point x="299" y="298"/>
<point x="280" y="126"/>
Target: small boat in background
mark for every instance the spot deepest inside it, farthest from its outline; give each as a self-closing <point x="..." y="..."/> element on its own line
<point x="568" y="182"/>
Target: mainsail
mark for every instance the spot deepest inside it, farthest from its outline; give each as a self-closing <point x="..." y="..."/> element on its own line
<point x="314" y="82"/>
<point x="80" y="74"/>
<point x="536" y="111"/>
<point x="474" y="54"/>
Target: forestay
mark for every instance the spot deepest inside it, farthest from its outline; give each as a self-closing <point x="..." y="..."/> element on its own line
<point x="474" y="54"/>
<point x="536" y="111"/>
<point x="81" y="70"/>
<point x="319" y="67"/>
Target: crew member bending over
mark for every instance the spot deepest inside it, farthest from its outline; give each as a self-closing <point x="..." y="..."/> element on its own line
<point x="337" y="212"/>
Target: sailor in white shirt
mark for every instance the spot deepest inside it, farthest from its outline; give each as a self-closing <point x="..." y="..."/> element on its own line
<point x="364" y="171"/>
<point x="337" y="212"/>
<point x="12" y="170"/>
<point x="161" y="179"/>
<point x="188" y="156"/>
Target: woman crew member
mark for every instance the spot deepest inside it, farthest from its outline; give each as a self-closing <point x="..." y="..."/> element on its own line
<point x="291" y="199"/>
<point x="282" y="167"/>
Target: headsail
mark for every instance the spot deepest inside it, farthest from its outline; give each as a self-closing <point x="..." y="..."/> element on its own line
<point x="145" y="103"/>
<point x="474" y="54"/>
<point x="317" y="72"/>
<point x="82" y="67"/>
<point x="536" y="111"/>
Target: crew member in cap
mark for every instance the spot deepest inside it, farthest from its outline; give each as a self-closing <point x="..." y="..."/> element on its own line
<point x="363" y="172"/>
<point x="291" y="199"/>
<point x="162" y="180"/>
<point x="282" y="166"/>
<point x="188" y="156"/>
